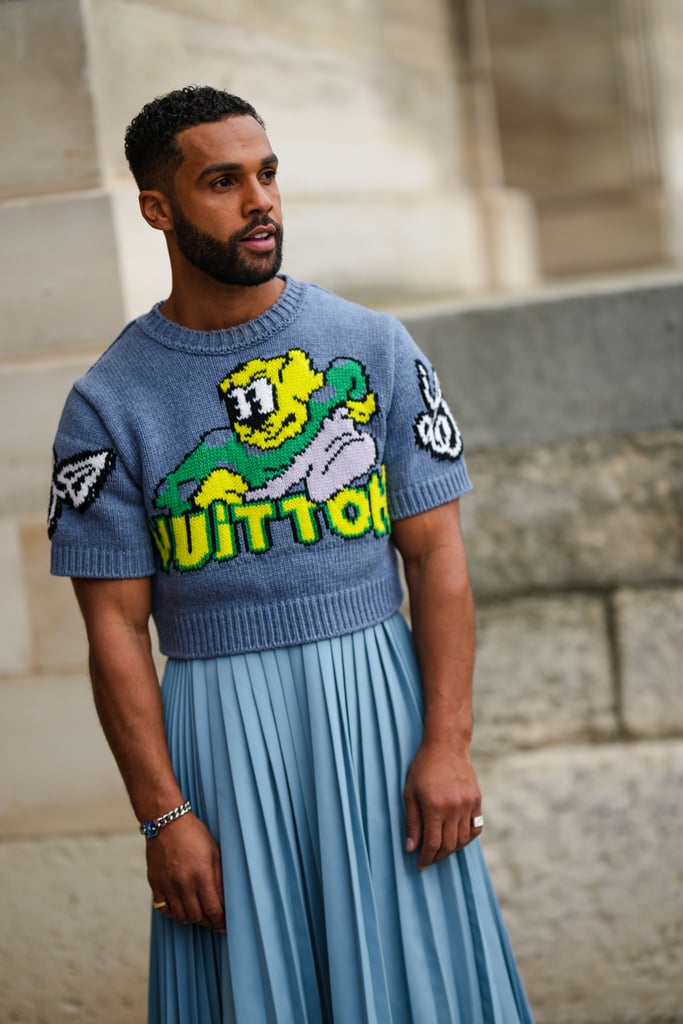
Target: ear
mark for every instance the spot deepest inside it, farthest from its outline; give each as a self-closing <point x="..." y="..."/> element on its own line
<point x="156" y="209"/>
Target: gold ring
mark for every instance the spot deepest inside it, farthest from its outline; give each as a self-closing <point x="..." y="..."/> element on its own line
<point x="158" y="904"/>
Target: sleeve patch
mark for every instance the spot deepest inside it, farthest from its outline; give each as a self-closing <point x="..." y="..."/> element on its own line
<point x="436" y="430"/>
<point x="77" y="481"/>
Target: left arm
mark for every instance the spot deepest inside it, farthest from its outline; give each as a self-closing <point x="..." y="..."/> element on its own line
<point x="441" y="791"/>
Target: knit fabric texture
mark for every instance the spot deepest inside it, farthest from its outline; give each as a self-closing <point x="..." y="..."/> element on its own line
<point x="253" y="472"/>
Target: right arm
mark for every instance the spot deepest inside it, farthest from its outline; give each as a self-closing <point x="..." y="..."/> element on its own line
<point x="183" y="861"/>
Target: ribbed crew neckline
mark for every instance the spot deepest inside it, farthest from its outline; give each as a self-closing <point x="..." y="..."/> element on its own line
<point x="252" y="332"/>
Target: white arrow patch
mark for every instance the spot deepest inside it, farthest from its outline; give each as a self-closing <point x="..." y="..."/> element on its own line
<point x="77" y="481"/>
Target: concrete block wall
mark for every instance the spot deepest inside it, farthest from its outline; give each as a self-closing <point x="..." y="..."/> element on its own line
<point x="579" y="725"/>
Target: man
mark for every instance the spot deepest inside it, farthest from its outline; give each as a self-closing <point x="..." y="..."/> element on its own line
<point x="241" y="464"/>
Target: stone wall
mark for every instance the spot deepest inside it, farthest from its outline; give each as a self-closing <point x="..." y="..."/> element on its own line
<point x="347" y="92"/>
<point x="579" y="708"/>
<point x="572" y="410"/>
<point x="575" y="535"/>
<point x="362" y="109"/>
<point x="576" y="551"/>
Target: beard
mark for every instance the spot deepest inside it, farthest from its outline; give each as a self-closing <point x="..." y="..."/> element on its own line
<point x="226" y="261"/>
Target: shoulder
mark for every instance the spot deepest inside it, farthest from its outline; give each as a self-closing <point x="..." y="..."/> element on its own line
<point x="345" y="313"/>
<point x="376" y="338"/>
<point x="126" y="356"/>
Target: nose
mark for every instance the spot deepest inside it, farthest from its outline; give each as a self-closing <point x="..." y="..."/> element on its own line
<point x="257" y="198"/>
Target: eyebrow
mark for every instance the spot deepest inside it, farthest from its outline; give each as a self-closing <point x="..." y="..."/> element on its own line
<point x="226" y="168"/>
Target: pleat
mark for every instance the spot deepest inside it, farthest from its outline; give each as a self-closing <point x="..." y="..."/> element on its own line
<point x="185" y="966"/>
<point x="262" y="869"/>
<point x="357" y="981"/>
<point x="296" y="760"/>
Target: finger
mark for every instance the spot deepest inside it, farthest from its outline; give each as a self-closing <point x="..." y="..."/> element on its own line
<point x="465" y="833"/>
<point x="413" y="823"/>
<point x="213" y="912"/>
<point x="175" y="908"/>
<point x="158" y="901"/>
<point x="432" y="841"/>
<point x="450" y="837"/>
<point x="218" y="879"/>
<point x="194" y="897"/>
<point x="198" y="903"/>
<point x="219" y="918"/>
<point x="477" y="821"/>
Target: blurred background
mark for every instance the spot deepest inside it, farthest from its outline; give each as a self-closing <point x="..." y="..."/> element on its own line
<point x="506" y="176"/>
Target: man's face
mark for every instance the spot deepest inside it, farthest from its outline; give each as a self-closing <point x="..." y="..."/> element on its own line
<point x="226" y="204"/>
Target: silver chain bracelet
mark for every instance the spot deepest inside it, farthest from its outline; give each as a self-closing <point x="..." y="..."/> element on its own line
<point x="151" y="829"/>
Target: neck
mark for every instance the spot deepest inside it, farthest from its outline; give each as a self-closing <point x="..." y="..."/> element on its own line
<point x="208" y="305"/>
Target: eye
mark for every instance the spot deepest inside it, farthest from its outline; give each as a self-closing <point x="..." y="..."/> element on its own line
<point x="269" y="174"/>
<point x="222" y="183"/>
<point x="260" y="391"/>
<point x="238" y="403"/>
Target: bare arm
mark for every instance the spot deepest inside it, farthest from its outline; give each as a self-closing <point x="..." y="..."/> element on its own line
<point x="441" y="791"/>
<point x="183" y="862"/>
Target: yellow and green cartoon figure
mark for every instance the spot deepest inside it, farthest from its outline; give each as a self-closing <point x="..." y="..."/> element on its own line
<point x="290" y="424"/>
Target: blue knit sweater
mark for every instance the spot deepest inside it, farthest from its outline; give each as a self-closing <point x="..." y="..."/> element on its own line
<point x="253" y="471"/>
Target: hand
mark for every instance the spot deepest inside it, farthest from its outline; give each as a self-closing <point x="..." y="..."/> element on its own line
<point x="184" y="869"/>
<point x="441" y="796"/>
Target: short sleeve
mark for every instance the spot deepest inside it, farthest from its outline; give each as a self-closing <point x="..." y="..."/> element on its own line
<point x="96" y="519"/>
<point x="424" y="458"/>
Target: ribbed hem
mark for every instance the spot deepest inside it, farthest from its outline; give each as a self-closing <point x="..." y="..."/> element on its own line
<point x="429" y="494"/>
<point x="101" y="564"/>
<point x="261" y="328"/>
<point x="237" y="629"/>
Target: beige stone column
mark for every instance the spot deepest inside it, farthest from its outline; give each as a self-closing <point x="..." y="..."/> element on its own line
<point x="508" y="216"/>
<point x="60" y="303"/>
<point x="577" y="122"/>
<point x="666" y="42"/>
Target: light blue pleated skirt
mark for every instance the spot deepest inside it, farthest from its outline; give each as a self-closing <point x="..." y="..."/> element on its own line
<point x="296" y="759"/>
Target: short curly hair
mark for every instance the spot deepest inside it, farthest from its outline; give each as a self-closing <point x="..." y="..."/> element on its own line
<point x="151" y="143"/>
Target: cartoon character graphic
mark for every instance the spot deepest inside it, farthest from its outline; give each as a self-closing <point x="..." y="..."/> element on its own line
<point x="290" y="424"/>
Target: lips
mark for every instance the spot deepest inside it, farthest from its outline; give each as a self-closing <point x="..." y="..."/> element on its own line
<point x="261" y="239"/>
<point x="260" y="233"/>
